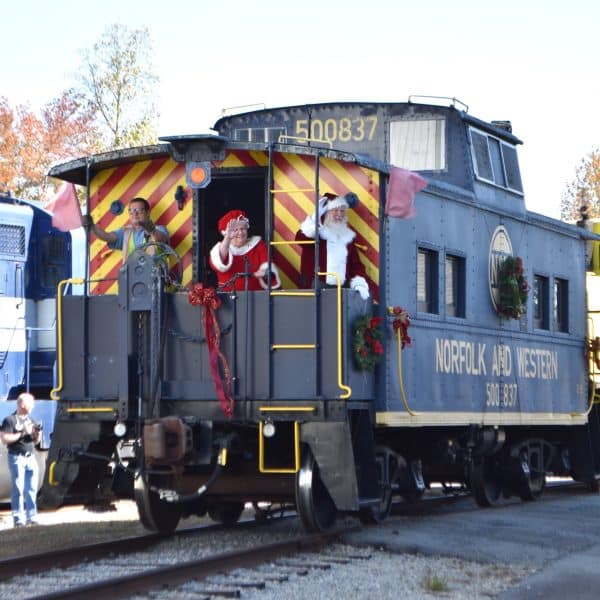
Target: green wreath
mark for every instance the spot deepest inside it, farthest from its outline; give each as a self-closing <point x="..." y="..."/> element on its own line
<point x="513" y="288"/>
<point x="366" y="342"/>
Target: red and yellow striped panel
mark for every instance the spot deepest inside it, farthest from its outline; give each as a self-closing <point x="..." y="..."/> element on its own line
<point x="294" y="199"/>
<point x="293" y="184"/>
<point x="156" y="180"/>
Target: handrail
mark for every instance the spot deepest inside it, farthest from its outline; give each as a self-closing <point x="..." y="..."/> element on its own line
<point x="593" y="397"/>
<point x="347" y="389"/>
<point x="291" y="242"/>
<point x="282" y="139"/>
<point x="400" y="378"/>
<point x="291" y="190"/>
<point x="59" y="349"/>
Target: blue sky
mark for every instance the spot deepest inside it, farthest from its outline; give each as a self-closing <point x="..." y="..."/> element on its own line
<point x="533" y="62"/>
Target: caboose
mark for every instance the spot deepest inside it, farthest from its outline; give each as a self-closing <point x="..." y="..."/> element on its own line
<point x="492" y="392"/>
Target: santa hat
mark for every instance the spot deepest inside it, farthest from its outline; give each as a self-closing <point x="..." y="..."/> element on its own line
<point x="336" y="202"/>
<point x="233" y="215"/>
<point x="348" y="201"/>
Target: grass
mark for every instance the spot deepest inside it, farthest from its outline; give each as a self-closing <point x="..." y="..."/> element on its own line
<point x="432" y="583"/>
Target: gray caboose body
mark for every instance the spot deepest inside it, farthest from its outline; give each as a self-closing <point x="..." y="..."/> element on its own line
<point x="492" y="392"/>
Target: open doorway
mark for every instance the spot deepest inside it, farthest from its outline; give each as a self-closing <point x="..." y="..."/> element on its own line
<point x="242" y="189"/>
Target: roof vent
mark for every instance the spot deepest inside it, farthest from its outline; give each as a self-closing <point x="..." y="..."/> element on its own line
<point x="506" y="125"/>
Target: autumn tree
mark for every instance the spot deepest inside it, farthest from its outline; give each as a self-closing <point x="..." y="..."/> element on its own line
<point x="31" y="143"/>
<point x="117" y="80"/>
<point x="583" y="190"/>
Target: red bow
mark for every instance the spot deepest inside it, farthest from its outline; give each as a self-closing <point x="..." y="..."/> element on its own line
<point x="208" y="299"/>
<point x="401" y="322"/>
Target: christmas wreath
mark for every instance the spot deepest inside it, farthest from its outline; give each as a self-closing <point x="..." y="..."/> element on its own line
<point x="367" y="346"/>
<point x="512" y="288"/>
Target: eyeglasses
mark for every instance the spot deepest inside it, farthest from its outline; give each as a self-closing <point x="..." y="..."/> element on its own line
<point x="137" y="211"/>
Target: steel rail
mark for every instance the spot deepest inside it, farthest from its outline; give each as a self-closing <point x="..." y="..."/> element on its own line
<point x="178" y="574"/>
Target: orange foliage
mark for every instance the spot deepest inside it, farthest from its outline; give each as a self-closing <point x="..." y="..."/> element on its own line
<point x="31" y="144"/>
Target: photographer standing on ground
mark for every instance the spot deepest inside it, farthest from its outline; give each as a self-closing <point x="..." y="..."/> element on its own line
<point x="20" y="433"/>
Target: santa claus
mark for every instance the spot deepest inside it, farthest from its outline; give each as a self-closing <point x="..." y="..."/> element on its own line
<point x="337" y="253"/>
<point x="239" y="260"/>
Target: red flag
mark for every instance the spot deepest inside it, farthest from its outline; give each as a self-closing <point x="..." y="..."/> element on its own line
<point x="65" y="209"/>
<point x="402" y="187"/>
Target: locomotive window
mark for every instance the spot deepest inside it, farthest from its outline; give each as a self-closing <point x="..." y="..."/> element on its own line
<point x="52" y="260"/>
<point x="418" y="145"/>
<point x="427" y="281"/>
<point x="455" y="286"/>
<point x="495" y="161"/>
<point x="561" y="305"/>
<point x="540" y="302"/>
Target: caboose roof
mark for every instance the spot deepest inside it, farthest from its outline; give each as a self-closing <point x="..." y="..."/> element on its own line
<point x="193" y="147"/>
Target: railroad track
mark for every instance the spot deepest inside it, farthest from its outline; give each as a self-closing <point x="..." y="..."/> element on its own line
<point x="148" y="572"/>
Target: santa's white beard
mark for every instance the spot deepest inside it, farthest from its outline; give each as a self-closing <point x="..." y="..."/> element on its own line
<point x="338" y="229"/>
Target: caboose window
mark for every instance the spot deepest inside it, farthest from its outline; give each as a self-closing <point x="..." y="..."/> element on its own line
<point x="561" y="305"/>
<point x="540" y="302"/>
<point x="259" y="134"/>
<point x="495" y="161"/>
<point x="455" y="286"/>
<point x="418" y="145"/>
<point x="427" y="280"/>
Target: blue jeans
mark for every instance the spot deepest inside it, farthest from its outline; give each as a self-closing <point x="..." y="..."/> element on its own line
<point x="24" y="476"/>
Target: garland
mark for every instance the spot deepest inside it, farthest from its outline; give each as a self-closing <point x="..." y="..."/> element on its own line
<point x="366" y="343"/>
<point x="402" y="323"/>
<point x="513" y="288"/>
<point x="207" y="298"/>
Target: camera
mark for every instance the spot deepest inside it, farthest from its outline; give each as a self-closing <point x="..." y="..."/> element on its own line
<point x="37" y="428"/>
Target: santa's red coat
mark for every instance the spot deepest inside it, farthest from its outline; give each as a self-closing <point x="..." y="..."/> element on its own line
<point x="354" y="266"/>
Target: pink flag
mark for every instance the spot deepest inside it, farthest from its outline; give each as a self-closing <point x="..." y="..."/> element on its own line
<point x="65" y="209"/>
<point x="402" y="187"/>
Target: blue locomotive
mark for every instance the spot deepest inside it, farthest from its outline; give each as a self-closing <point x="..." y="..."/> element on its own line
<point x="470" y="364"/>
<point x="34" y="257"/>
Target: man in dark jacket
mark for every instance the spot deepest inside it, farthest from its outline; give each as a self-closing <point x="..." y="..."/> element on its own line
<point x="20" y="433"/>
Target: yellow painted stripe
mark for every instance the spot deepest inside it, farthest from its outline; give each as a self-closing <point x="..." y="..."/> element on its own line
<point x="286" y="282"/>
<point x="347" y="177"/>
<point x="421" y="419"/>
<point x="261" y="158"/>
<point x="231" y="160"/>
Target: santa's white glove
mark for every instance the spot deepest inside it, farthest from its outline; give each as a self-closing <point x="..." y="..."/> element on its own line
<point x="323" y="206"/>
<point x="322" y="209"/>
<point x="360" y="284"/>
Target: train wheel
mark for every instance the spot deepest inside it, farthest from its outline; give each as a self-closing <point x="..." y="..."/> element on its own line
<point x="155" y="514"/>
<point x="388" y="473"/>
<point x="314" y="504"/>
<point x="534" y="480"/>
<point x="485" y="483"/>
<point x="227" y="513"/>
